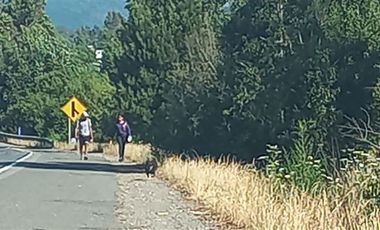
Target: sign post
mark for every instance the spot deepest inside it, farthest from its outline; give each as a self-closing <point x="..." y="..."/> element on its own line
<point x="73" y="110"/>
<point x="69" y="133"/>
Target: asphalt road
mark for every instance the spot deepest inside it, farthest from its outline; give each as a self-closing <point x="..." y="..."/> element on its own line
<point x="9" y="155"/>
<point x="56" y="191"/>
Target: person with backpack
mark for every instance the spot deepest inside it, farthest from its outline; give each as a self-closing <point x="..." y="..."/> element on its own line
<point x="84" y="133"/>
<point x="123" y="134"/>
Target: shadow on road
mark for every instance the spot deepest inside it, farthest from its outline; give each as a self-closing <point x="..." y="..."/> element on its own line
<point x="96" y="167"/>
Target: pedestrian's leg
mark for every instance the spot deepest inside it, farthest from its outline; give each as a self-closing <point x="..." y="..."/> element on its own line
<point x="123" y="150"/>
<point x="81" y="149"/>
<point x="120" y="144"/>
<point x="85" y="151"/>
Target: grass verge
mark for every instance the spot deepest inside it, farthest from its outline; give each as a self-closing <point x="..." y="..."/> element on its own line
<point x="137" y="153"/>
<point x="245" y="198"/>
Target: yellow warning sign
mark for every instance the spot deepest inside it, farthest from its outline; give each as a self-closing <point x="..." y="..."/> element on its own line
<point x="74" y="109"/>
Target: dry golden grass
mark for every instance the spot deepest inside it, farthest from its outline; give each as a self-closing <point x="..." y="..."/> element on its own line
<point x="137" y="153"/>
<point x="248" y="200"/>
<point x="93" y="147"/>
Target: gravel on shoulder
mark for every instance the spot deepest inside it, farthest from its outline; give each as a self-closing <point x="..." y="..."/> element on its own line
<point x="148" y="203"/>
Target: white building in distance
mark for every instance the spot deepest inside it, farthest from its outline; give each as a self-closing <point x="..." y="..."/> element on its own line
<point x="98" y="55"/>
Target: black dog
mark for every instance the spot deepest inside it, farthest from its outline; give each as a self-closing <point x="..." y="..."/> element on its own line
<point x="151" y="166"/>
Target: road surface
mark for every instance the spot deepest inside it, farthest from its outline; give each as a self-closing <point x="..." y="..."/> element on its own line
<point x="54" y="190"/>
<point x="9" y="155"/>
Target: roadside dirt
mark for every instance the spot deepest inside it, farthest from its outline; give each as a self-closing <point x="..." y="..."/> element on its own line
<point x="148" y="203"/>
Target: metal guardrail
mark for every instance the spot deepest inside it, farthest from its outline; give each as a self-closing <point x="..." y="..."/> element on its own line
<point x="27" y="141"/>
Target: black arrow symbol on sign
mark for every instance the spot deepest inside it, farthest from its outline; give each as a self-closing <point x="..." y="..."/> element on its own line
<point x="73" y="110"/>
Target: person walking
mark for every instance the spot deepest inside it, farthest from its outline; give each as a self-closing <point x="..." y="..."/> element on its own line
<point x="84" y="133"/>
<point x="123" y="135"/>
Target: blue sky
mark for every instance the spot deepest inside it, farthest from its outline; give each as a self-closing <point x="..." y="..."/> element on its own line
<point x="76" y="13"/>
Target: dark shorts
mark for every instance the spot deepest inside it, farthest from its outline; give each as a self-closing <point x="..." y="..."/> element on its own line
<point x="84" y="140"/>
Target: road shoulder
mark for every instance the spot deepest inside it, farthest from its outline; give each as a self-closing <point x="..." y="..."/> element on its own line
<point x="148" y="203"/>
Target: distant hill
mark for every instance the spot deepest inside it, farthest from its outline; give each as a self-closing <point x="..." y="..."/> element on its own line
<point x="73" y="14"/>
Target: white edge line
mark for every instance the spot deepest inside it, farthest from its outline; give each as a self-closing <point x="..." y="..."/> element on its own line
<point x="28" y="155"/>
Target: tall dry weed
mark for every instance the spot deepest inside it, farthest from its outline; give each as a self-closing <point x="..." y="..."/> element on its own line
<point x="249" y="200"/>
<point x="137" y="153"/>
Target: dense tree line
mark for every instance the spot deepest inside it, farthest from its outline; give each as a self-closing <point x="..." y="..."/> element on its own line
<point x="40" y="71"/>
<point x="205" y="75"/>
<point x="230" y="78"/>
